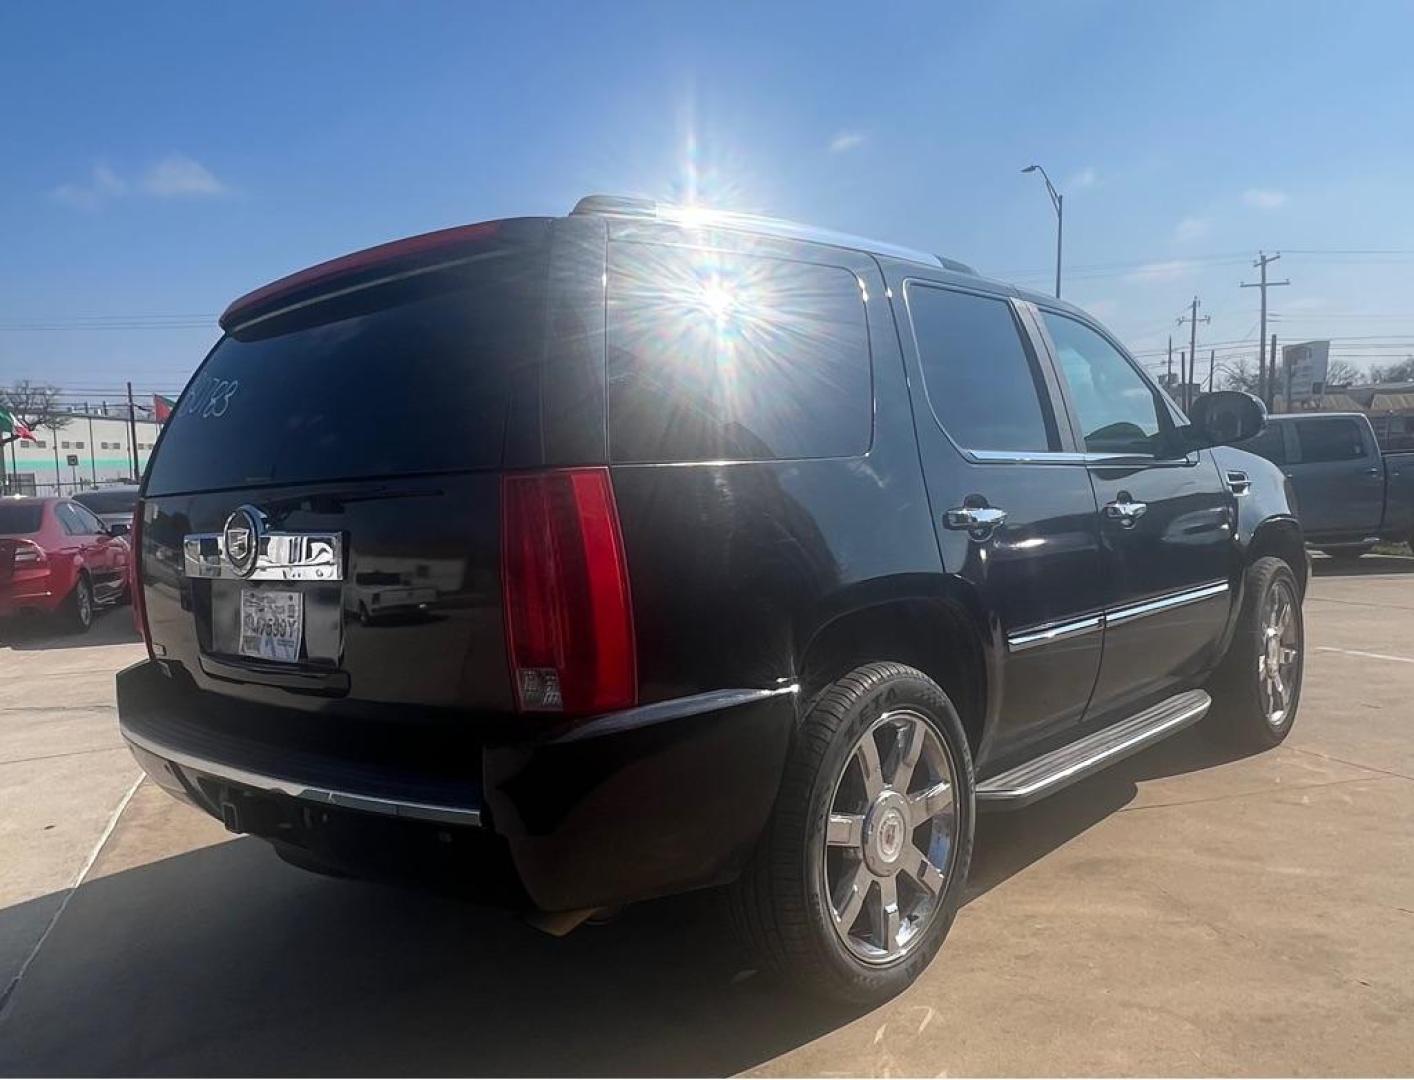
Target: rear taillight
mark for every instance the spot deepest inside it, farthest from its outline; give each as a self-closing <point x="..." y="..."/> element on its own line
<point x="564" y="580"/>
<point x="135" y="578"/>
<point x="29" y="555"/>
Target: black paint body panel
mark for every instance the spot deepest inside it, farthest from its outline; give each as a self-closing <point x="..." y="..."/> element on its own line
<point x="739" y="572"/>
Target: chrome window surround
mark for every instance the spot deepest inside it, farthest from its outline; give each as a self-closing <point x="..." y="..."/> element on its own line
<point x="1045" y="635"/>
<point x="282" y="557"/>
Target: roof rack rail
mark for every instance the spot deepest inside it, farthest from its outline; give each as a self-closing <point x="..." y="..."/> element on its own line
<point x="629" y="206"/>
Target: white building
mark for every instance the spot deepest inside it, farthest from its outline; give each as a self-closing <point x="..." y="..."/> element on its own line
<point x="87" y="451"/>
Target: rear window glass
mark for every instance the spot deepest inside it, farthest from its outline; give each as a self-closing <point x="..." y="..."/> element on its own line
<point x="412" y="376"/>
<point x="20" y="520"/>
<point x="723" y="356"/>
<point x="108" y="502"/>
<point x="1269" y="443"/>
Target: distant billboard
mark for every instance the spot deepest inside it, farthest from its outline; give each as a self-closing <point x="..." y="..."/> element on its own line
<point x="1305" y="366"/>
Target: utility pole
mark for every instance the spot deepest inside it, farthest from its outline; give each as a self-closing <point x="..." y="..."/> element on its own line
<point x="1288" y="373"/>
<point x="1192" y="320"/>
<point x="1266" y="385"/>
<point x="1182" y="375"/>
<point x="132" y="429"/>
<point x="1212" y="363"/>
<point x="1170" y="376"/>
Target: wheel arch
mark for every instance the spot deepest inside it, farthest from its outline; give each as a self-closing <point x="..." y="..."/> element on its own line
<point x="939" y="635"/>
<point x="1282" y="538"/>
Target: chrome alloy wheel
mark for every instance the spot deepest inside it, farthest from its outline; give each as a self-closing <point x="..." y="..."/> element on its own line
<point x="83" y="603"/>
<point x="891" y="836"/>
<point x="1278" y="653"/>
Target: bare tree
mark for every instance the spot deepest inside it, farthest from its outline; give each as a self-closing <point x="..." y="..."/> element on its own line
<point x="1240" y="375"/>
<point x="33" y="405"/>
<point x="1403" y="371"/>
<point x="1343" y="373"/>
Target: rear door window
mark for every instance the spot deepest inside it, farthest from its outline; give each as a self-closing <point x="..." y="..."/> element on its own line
<point x="1329" y="439"/>
<point x="415" y="375"/>
<point x="982" y="382"/>
<point x="723" y="356"/>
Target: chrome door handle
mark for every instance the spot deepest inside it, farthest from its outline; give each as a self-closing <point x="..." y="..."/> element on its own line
<point x="975" y="519"/>
<point x="1125" y="511"/>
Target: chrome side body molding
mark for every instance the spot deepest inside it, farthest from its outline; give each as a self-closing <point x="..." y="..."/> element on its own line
<point x="1044" y="635"/>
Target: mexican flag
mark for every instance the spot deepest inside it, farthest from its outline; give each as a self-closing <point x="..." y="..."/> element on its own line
<point x="162" y="407"/>
<point x="12" y="425"/>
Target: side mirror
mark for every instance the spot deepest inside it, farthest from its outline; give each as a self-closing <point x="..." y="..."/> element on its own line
<point x="119" y="529"/>
<point x="1223" y="417"/>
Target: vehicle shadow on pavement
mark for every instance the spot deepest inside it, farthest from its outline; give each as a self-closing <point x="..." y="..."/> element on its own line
<point x="226" y="961"/>
<point x="111" y="626"/>
<point x="1363" y="566"/>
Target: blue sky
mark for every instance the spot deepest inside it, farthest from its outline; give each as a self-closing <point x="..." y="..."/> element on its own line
<point x="161" y="159"/>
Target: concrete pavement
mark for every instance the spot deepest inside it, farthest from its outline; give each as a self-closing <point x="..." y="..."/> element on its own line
<point x="1184" y="913"/>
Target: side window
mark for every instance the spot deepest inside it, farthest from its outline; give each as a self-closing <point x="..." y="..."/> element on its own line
<point x="982" y="382"/>
<point x="87" y="520"/>
<point x="722" y="356"/>
<point x="1330" y="439"/>
<point x="69" y="519"/>
<point x="1270" y="444"/>
<point x="1119" y="412"/>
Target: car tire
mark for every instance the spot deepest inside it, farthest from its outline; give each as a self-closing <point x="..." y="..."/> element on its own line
<point x="834" y="830"/>
<point x="77" y="612"/>
<point x="1250" y="708"/>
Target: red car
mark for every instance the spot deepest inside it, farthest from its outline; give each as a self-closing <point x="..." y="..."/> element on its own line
<point x="57" y="557"/>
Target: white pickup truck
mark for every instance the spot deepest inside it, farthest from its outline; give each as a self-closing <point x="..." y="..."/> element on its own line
<point x="1349" y="495"/>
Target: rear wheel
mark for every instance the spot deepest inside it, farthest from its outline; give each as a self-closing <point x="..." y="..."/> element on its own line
<point x="860" y="872"/>
<point x="1258" y="688"/>
<point x="77" y="612"/>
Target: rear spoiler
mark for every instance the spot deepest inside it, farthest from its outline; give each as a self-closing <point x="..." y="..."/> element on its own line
<point x="385" y="259"/>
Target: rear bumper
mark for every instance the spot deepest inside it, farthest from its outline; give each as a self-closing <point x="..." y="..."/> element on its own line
<point x="28" y="594"/>
<point x="647" y="802"/>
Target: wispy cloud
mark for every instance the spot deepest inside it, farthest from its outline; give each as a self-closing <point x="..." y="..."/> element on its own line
<point x="1101" y="309"/>
<point x="174" y="176"/>
<point x="1171" y="270"/>
<point x="845" y="141"/>
<point x="1190" y="229"/>
<point x="102" y="185"/>
<point x="178" y="176"/>
<point x="1086" y="177"/>
<point x="1264" y="198"/>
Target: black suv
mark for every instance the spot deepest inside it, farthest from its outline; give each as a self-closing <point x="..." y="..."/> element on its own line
<point x="597" y="558"/>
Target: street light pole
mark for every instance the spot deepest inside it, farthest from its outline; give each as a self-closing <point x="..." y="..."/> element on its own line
<point x="1058" y="201"/>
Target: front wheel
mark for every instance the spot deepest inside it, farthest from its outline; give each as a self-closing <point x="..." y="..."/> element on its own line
<point x="77" y="612"/>
<point x="861" y="869"/>
<point x="1258" y="687"/>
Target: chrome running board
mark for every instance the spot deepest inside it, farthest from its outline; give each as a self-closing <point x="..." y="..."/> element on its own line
<point x="1047" y="774"/>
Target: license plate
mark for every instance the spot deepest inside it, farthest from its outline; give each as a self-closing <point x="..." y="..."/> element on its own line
<point x="272" y="624"/>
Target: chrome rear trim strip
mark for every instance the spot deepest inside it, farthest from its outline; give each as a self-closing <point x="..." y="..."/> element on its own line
<point x="455" y="815"/>
<point x="282" y="557"/>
